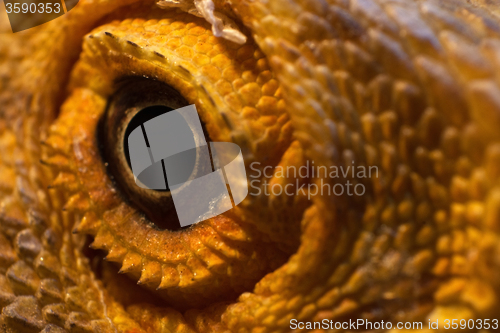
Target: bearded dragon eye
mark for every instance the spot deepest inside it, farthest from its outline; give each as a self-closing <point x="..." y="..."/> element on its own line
<point x="136" y="102"/>
<point x="121" y="84"/>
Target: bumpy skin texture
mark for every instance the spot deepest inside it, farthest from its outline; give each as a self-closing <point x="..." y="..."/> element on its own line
<point x="409" y="86"/>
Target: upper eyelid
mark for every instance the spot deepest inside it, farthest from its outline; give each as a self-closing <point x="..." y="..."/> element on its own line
<point x="232" y="85"/>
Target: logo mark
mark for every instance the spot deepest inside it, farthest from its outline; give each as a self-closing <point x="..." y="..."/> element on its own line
<point x="170" y="152"/>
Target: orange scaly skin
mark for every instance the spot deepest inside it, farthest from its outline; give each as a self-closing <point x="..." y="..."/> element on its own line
<point x="411" y="87"/>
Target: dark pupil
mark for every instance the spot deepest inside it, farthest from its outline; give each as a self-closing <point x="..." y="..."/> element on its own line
<point x="155" y="176"/>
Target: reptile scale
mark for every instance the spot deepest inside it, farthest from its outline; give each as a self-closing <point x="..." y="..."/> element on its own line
<point x="411" y="87"/>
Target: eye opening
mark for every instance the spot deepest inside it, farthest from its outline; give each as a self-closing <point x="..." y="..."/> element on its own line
<point x="136" y="101"/>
